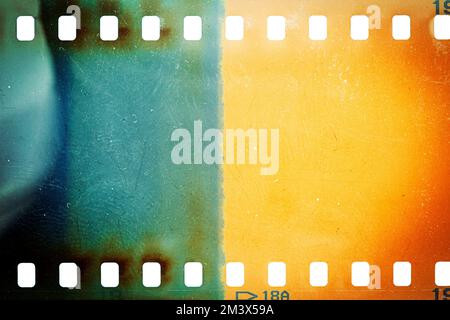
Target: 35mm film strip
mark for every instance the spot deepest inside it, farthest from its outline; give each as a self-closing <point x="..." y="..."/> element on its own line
<point x="226" y="149"/>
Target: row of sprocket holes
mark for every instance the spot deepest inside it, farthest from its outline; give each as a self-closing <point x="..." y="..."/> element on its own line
<point x="69" y="274"/>
<point x="234" y="28"/>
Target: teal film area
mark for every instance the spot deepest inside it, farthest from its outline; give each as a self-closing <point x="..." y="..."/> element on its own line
<point x="110" y="192"/>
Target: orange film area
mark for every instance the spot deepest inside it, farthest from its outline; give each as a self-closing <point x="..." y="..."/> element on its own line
<point x="364" y="148"/>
